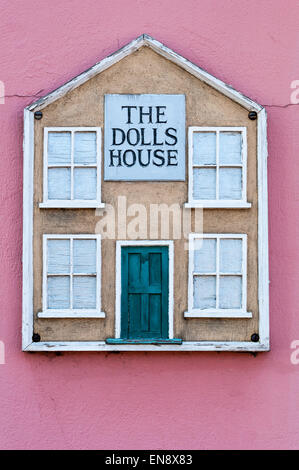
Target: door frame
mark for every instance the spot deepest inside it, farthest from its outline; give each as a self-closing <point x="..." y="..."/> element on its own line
<point x="119" y="245"/>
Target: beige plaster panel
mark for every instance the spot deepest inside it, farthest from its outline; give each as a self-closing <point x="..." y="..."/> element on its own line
<point x="145" y="72"/>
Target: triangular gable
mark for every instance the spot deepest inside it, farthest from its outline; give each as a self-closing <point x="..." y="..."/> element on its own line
<point x="159" y="48"/>
<point x="33" y="157"/>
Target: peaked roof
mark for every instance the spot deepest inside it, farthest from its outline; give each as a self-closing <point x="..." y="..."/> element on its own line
<point x="145" y="40"/>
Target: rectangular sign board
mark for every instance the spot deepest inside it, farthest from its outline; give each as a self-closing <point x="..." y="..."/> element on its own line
<point x="144" y="138"/>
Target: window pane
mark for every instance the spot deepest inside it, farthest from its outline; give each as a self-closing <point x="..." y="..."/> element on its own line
<point x="230" y="183"/>
<point x="85" y="150"/>
<point x="84" y="292"/>
<point x="59" y="292"/>
<point x="59" y="147"/>
<point x="230" y="256"/>
<point x="85" y="183"/>
<point x="204" y="292"/>
<point x="58" y="256"/>
<point x="205" y="256"/>
<point x="59" y="183"/>
<point x="84" y="253"/>
<point x="230" y="148"/>
<point x="230" y="292"/>
<point x="204" y="148"/>
<point x="204" y="183"/>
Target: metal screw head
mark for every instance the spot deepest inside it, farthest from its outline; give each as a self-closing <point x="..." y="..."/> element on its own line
<point x="252" y="115"/>
<point x="38" y="115"/>
<point x="36" y="338"/>
<point x="255" y="338"/>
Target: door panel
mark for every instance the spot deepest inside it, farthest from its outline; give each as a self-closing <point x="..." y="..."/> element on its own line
<point x="144" y="300"/>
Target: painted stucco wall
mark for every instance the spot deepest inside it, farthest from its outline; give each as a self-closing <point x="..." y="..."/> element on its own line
<point x="153" y="400"/>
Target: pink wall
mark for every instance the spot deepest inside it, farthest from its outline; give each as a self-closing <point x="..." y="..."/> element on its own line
<point x="153" y="400"/>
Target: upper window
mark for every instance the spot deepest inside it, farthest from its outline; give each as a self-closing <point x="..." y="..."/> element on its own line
<point x="72" y="167"/>
<point x="217" y="276"/>
<point x="217" y="167"/>
<point x="71" y="276"/>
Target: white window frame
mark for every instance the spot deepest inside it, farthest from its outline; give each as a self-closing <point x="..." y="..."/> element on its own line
<point x="217" y="312"/>
<point x="218" y="203"/>
<point x="71" y="313"/>
<point x="71" y="203"/>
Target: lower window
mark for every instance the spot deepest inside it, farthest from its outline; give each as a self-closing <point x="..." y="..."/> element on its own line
<point x="71" y="276"/>
<point x="217" y="276"/>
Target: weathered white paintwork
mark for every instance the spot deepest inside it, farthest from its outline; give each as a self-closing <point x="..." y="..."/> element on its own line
<point x="72" y="167"/>
<point x="159" y="48"/>
<point x="71" y="276"/>
<point x="217" y="277"/>
<point x="218" y="174"/>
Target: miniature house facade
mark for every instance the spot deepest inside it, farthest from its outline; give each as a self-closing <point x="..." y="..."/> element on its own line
<point x="145" y="211"/>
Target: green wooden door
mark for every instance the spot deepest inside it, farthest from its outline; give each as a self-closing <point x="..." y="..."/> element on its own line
<point x="144" y="297"/>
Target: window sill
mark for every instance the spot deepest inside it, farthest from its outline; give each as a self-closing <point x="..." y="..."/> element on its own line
<point x="143" y="341"/>
<point x="218" y="204"/>
<point x="71" y="314"/>
<point x="72" y="205"/>
<point x="218" y="314"/>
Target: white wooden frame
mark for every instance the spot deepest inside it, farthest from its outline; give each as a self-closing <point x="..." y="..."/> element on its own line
<point x="217" y="312"/>
<point x="263" y="262"/>
<point x="119" y="245"/>
<point x="218" y="203"/>
<point x="71" y="203"/>
<point x="72" y="313"/>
